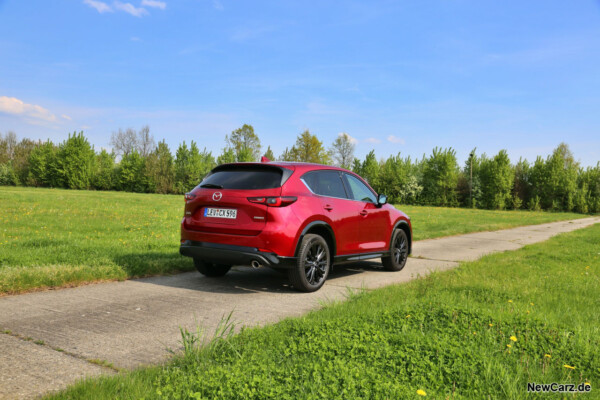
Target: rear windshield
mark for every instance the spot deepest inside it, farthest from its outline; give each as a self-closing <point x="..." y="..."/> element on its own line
<point x="246" y="177"/>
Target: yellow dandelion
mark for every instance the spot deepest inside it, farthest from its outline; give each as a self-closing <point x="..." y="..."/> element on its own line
<point x="421" y="392"/>
<point x="491" y="325"/>
<point x="510" y="301"/>
<point x="474" y="333"/>
<point x="532" y="304"/>
<point x="547" y="355"/>
<point x="408" y="316"/>
<point x="587" y="384"/>
<point x="568" y="366"/>
<point x="513" y="338"/>
<point x="508" y="345"/>
<point x="528" y="311"/>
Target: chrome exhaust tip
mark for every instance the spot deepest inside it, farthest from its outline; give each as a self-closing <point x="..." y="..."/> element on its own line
<point x="255" y="264"/>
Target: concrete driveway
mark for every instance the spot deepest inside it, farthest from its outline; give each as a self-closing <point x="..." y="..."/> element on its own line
<point x="53" y="338"/>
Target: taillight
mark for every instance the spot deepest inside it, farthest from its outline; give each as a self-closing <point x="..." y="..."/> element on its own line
<point x="189" y="196"/>
<point x="258" y="200"/>
<point x="279" y="201"/>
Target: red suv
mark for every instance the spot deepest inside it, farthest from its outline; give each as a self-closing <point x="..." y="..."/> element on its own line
<point x="295" y="216"/>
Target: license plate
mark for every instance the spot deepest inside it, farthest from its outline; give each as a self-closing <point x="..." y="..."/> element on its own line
<point x="229" y="213"/>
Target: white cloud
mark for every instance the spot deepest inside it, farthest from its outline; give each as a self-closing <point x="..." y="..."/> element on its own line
<point x="100" y="6"/>
<point x="154" y="3"/>
<point x="131" y="9"/>
<point x="32" y="112"/>
<point x="66" y="117"/>
<point x="352" y="140"/>
<point x="372" y="140"/>
<point x="135" y="39"/>
<point x="394" y="139"/>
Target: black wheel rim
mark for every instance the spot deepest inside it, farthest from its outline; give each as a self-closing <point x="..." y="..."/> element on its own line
<point x="400" y="249"/>
<point x="315" y="263"/>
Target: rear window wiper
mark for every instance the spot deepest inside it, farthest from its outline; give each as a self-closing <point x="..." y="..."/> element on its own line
<point x="211" y="185"/>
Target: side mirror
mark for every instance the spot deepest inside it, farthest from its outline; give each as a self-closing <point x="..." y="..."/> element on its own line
<point x="381" y="199"/>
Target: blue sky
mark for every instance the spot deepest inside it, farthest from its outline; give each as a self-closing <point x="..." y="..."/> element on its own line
<point x="396" y="76"/>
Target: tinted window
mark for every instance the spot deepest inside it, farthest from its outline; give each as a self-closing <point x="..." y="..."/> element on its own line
<point x="358" y="190"/>
<point x="325" y="183"/>
<point x="246" y="177"/>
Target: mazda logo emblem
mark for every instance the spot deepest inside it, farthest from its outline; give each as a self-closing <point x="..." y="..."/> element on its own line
<point x="217" y="196"/>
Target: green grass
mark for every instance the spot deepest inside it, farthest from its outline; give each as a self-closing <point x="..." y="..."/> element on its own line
<point x="54" y="237"/>
<point x="447" y="334"/>
<point x="433" y="222"/>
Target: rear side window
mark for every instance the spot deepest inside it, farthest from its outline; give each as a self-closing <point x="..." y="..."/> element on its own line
<point x="245" y="177"/>
<point x="325" y="183"/>
<point x="359" y="191"/>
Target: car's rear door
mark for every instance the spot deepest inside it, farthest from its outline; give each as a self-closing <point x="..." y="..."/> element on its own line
<point x="328" y="186"/>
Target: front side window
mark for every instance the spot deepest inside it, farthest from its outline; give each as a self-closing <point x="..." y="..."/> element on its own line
<point x="325" y="183"/>
<point x="358" y="190"/>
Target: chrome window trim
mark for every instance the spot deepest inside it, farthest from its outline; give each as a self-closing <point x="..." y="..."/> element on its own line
<point x="323" y="195"/>
<point x="331" y="197"/>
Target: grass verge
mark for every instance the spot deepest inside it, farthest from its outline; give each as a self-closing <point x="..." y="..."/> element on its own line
<point x="434" y="222"/>
<point x="55" y="237"/>
<point x="482" y="330"/>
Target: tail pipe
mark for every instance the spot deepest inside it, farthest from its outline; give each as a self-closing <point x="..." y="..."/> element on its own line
<point x="255" y="264"/>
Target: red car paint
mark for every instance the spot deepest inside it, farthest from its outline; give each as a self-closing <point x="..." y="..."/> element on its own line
<point x="358" y="227"/>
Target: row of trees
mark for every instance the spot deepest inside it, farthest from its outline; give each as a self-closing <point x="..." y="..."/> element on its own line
<point x="138" y="164"/>
<point x="556" y="183"/>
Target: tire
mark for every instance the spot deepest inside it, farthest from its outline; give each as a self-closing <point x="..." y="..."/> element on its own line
<point x="211" y="270"/>
<point x="313" y="264"/>
<point x="398" y="252"/>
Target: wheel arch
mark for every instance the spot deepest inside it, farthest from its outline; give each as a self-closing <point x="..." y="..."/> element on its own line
<point x="402" y="224"/>
<point x="321" y="228"/>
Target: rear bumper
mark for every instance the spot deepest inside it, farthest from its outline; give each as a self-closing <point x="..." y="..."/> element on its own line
<point x="233" y="255"/>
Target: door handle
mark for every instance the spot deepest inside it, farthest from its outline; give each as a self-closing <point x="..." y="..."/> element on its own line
<point x="364" y="212"/>
<point x="328" y="207"/>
